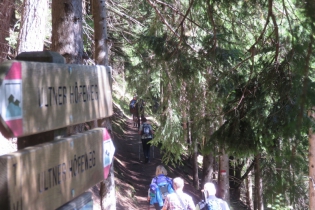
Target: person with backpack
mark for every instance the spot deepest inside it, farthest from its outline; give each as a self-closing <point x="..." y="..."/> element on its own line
<point x="146" y="133"/>
<point x="211" y="202"/>
<point x="160" y="187"/>
<point x="178" y="200"/>
<point x="133" y="108"/>
<point x="142" y="104"/>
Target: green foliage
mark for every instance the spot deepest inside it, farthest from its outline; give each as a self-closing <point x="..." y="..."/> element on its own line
<point x="278" y="204"/>
<point x="13" y="36"/>
<point x="243" y="69"/>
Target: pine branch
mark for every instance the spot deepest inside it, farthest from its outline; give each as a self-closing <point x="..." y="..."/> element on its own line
<point x="210" y="13"/>
<point x="163" y="19"/>
<point x="185" y="16"/>
<point x="180" y="13"/>
<point x="123" y="15"/>
<point x="167" y="24"/>
<point x="274" y="21"/>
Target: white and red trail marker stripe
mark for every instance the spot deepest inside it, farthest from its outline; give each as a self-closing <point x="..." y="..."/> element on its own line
<point x="223" y="172"/>
<point x="108" y="152"/>
<point x="12" y="106"/>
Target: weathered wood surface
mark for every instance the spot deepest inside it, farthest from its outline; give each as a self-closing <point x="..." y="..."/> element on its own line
<point x="37" y="97"/>
<point x="51" y="174"/>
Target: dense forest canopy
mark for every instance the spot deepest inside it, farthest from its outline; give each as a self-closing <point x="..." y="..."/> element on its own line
<point x="241" y="68"/>
<point x="225" y="75"/>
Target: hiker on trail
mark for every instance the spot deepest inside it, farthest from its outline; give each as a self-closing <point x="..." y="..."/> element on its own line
<point x="141" y="107"/>
<point x="160" y="187"/>
<point x="133" y="108"/>
<point x="146" y="133"/>
<point x="211" y="202"/>
<point x="178" y="200"/>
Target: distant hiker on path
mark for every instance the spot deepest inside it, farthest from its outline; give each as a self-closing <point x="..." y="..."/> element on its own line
<point x="211" y="201"/>
<point x="134" y="110"/>
<point x="146" y="133"/>
<point x="178" y="200"/>
<point x="141" y="107"/>
<point x="160" y="187"/>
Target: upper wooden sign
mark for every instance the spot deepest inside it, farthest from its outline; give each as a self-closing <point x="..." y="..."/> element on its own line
<point x="48" y="175"/>
<point x="37" y="97"/>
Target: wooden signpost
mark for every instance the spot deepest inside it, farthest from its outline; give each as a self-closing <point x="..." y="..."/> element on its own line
<point x="50" y="174"/>
<point x="38" y="97"/>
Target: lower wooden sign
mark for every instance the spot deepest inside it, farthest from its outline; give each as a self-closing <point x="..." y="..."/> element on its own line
<point x="49" y="175"/>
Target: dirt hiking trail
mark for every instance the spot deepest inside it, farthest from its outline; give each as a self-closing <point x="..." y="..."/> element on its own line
<point x="133" y="176"/>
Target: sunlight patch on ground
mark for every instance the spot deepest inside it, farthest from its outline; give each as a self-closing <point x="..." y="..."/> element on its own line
<point x="121" y="163"/>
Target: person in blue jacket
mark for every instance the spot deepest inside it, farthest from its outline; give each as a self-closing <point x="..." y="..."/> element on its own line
<point x="161" y="185"/>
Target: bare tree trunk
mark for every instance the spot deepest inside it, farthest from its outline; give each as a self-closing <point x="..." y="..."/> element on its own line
<point x="67" y="40"/>
<point x="224" y="185"/>
<point x="224" y="173"/>
<point x="107" y="186"/>
<point x="100" y="32"/>
<point x="195" y="164"/>
<point x="32" y="30"/>
<point x="67" y="30"/>
<point x="194" y="144"/>
<point x="259" y="205"/>
<point x="249" y="190"/>
<point x="208" y="159"/>
<point x="207" y="168"/>
<point x="6" y="11"/>
<point x="311" y="140"/>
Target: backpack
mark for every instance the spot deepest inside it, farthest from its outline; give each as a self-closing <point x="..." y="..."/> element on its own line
<point x="213" y="204"/>
<point x="161" y="187"/>
<point x="132" y="104"/>
<point x="146" y="129"/>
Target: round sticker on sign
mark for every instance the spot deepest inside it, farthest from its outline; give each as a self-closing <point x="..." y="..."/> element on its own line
<point x="108" y="152"/>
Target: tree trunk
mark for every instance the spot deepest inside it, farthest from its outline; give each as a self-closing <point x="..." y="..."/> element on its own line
<point x="32" y="29"/>
<point x="235" y="173"/>
<point x="107" y="186"/>
<point x="224" y="185"/>
<point x="207" y="168"/>
<point x="100" y="32"/>
<point x="249" y="190"/>
<point x="195" y="163"/>
<point x="67" y="30"/>
<point x="259" y="205"/>
<point x="6" y="11"/>
<point x="194" y="145"/>
<point x="67" y="40"/>
<point x="311" y="168"/>
<point x="208" y="159"/>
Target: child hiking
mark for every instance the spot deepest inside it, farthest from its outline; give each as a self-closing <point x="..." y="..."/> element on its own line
<point x="160" y="187"/>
